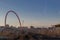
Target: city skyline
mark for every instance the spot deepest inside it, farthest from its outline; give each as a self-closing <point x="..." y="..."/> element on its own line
<point x="32" y="12"/>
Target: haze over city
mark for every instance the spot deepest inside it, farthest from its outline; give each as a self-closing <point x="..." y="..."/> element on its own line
<point x="31" y="12"/>
<point x="29" y="19"/>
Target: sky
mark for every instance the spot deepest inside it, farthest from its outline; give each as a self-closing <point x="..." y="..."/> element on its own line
<point x="31" y="12"/>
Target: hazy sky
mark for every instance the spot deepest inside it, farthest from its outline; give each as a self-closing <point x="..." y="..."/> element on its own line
<point x="31" y="12"/>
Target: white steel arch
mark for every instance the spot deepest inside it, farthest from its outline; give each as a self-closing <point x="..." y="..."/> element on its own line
<point x="15" y="14"/>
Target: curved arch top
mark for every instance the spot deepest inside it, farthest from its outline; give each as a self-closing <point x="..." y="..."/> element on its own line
<point x="15" y="14"/>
